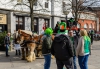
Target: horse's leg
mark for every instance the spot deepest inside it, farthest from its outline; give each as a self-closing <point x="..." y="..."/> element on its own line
<point x="40" y="51"/>
<point x="23" y="54"/>
<point x="31" y="55"/>
<point x="26" y="52"/>
<point x="34" y="56"/>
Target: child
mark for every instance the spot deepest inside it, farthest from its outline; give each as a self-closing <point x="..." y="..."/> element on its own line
<point x="17" y="48"/>
<point x="16" y="45"/>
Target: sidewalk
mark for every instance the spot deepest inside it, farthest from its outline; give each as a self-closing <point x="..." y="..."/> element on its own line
<point x="14" y="62"/>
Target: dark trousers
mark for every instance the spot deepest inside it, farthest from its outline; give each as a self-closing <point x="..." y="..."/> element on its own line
<point x="7" y="48"/>
<point x="91" y="41"/>
<point x="68" y="64"/>
<point x="18" y="52"/>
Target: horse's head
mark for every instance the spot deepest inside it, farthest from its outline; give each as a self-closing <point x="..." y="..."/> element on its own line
<point x="19" y="39"/>
<point x="21" y="36"/>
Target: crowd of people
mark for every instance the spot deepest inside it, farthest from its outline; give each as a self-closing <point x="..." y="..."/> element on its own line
<point x="67" y="46"/>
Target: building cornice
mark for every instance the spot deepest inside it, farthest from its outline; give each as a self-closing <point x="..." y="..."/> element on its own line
<point x="57" y="16"/>
<point x="87" y="13"/>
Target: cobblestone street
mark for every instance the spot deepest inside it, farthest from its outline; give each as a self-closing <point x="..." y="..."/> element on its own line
<point x="14" y="62"/>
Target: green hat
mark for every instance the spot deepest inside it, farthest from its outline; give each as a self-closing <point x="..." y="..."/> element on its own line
<point x="48" y="31"/>
<point x="62" y="26"/>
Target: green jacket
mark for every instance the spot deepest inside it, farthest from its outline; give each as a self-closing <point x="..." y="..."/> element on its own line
<point x="46" y="45"/>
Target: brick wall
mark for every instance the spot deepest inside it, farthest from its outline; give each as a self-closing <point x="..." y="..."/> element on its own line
<point x="82" y="22"/>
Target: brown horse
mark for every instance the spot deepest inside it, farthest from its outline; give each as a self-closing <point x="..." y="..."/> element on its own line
<point x="29" y="43"/>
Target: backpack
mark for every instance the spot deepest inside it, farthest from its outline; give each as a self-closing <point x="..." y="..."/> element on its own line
<point x="62" y="48"/>
<point x="46" y="45"/>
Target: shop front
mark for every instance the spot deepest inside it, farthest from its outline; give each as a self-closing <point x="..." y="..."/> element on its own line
<point x="3" y="22"/>
<point x="3" y="27"/>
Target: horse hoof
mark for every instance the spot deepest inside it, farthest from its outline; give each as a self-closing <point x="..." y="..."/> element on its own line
<point x="29" y="60"/>
<point x="39" y="55"/>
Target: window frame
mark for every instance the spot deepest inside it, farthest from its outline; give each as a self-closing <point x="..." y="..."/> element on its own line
<point x="46" y="5"/>
<point x="20" y="24"/>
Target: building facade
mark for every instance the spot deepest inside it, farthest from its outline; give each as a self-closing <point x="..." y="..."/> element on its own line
<point x="18" y="17"/>
<point x="87" y="20"/>
<point x="46" y="13"/>
<point x="96" y="10"/>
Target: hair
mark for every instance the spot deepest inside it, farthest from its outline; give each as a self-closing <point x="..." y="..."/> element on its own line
<point x="83" y="32"/>
<point x="8" y="33"/>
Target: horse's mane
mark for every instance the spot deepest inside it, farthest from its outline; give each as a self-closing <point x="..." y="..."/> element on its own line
<point x="25" y="32"/>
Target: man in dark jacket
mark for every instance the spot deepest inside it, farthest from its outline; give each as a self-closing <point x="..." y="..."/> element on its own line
<point x="74" y="41"/>
<point x="46" y="47"/>
<point x="62" y="49"/>
<point x="7" y="43"/>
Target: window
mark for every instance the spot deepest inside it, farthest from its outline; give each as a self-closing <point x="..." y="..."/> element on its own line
<point x="93" y="26"/>
<point x="85" y="26"/>
<point x="90" y="26"/>
<point x="78" y="25"/>
<point x="36" y="25"/>
<point x="19" y="22"/>
<point x="46" y="5"/>
<point x="46" y="22"/>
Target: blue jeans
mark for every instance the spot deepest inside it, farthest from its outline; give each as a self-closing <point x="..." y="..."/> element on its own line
<point x="74" y="61"/>
<point x="83" y="60"/>
<point x="7" y="48"/>
<point x="47" y="61"/>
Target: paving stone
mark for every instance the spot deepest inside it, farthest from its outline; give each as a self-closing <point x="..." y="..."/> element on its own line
<point x="14" y="62"/>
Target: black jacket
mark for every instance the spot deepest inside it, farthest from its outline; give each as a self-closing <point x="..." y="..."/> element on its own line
<point x="46" y="45"/>
<point x="74" y="43"/>
<point x="7" y="40"/>
<point x="60" y="52"/>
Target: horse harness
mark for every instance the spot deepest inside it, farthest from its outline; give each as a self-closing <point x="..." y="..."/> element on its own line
<point x="25" y="42"/>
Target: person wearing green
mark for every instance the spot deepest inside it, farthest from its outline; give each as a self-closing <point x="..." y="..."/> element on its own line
<point x="46" y="47"/>
<point x="62" y="28"/>
<point x="83" y="49"/>
<point x="74" y="41"/>
<point x="62" y="48"/>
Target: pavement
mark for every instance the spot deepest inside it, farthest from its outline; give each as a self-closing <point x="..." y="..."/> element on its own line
<point x="15" y="62"/>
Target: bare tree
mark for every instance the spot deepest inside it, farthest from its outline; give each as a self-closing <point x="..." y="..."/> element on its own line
<point x="29" y="4"/>
<point x="79" y="5"/>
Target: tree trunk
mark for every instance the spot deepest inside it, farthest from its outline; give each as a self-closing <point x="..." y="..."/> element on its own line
<point x="76" y="11"/>
<point x="32" y="17"/>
